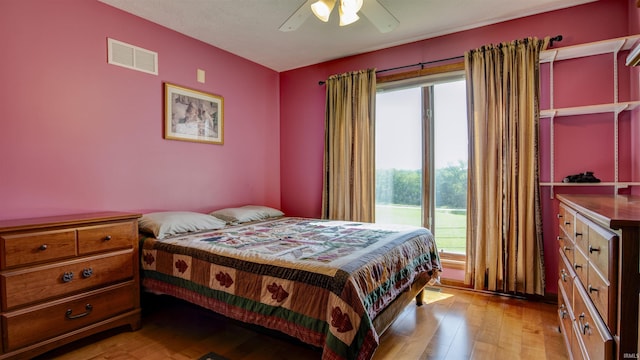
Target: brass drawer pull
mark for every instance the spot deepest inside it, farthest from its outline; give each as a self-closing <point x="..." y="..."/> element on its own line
<point x="567" y="248"/>
<point x="107" y="238"/>
<point x="577" y="266"/>
<point x="578" y="234"/>
<point x="584" y="326"/>
<point x="86" y="273"/>
<point x="562" y="311"/>
<point x="592" y="249"/>
<point x="67" y="276"/>
<point x="43" y="247"/>
<point x="68" y="315"/>
<point x="592" y="289"/>
<point x="558" y="216"/>
<point x="567" y="223"/>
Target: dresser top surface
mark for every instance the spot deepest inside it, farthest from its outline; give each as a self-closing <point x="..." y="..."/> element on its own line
<point x="614" y="211"/>
<point x="64" y="220"/>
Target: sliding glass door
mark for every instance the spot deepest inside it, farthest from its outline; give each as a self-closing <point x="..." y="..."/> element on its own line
<point x="421" y="158"/>
<point x="399" y="157"/>
<point x="450" y="154"/>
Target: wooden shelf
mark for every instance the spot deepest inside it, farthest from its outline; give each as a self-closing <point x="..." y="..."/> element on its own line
<point x="594" y="48"/>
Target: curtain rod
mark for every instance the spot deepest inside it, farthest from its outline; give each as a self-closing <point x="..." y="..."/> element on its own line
<point x="422" y="64"/>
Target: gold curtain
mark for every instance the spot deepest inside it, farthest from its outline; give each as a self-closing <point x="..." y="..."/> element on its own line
<point x="349" y="164"/>
<point x="504" y="227"/>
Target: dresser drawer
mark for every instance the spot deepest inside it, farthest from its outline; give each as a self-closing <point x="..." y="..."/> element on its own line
<point x="32" y="248"/>
<point x="106" y="237"/>
<point x="31" y="325"/>
<point x="566" y="219"/>
<point x="577" y="347"/>
<point x="27" y="286"/>
<point x="602" y="247"/>
<point x="565" y="276"/>
<point x="581" y="235"/>
<point x="567" y="247"/>
<point x="581" y="266"/>
<point x="603" y="296"/>
<point x="591" y="331"/>
<point x="565" y="315"/>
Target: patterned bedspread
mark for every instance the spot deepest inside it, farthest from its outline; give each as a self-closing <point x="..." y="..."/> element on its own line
<point x="320" y="281"/>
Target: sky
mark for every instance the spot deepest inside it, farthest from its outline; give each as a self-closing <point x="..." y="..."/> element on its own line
<point x="398" y="127"/>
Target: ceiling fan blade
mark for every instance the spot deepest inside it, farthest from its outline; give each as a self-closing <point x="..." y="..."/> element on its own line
<point x="297" y="18"/>
<point x="379" y="16"/>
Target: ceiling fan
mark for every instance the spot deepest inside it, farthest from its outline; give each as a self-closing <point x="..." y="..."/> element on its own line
<point x="348" y="10"/>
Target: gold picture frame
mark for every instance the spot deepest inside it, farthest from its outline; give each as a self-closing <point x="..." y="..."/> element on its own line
<point x="192" y="115"/>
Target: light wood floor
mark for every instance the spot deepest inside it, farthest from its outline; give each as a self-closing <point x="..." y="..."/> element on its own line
<point x="453" y="324"/>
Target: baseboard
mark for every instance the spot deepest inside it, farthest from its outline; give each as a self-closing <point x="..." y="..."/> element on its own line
<point x="547" y="298"/>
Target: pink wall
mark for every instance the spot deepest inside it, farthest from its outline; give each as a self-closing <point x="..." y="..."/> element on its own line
<point x="302" y="100"/>
<point x="79" y="134"/>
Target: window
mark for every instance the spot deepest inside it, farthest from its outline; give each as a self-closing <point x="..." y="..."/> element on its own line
<point x="450" y="165"/>
<point x="399" y="157"/>
<point x="422" y="155"/>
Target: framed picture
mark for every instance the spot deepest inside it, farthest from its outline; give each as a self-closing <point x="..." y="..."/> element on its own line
<point x="192" y="115"/>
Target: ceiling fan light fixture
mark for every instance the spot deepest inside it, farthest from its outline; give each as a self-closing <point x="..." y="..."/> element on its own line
<point x="348" y="11"/>
<point x="322" y="9"/>
<point x="350" y="6"/>
<point x="348" y="18"/>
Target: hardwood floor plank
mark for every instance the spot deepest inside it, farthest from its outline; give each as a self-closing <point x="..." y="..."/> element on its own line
<point x="490" y="330"/>
<point x="510" y="338"/>
<point x="482" y="351"/>
<point x="453" y="324"/>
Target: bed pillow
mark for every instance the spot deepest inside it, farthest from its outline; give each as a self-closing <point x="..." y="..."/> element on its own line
<point x="246" y="213"/>
<point x="167" y="223"/>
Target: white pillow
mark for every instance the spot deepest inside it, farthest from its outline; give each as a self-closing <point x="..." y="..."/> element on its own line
<point x="167" y="223"/>
<point x="246" y="213"/>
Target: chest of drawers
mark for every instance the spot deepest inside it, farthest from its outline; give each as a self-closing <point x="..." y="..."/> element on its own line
<point x="66" y="277"/>
<point x="599" y="275"/>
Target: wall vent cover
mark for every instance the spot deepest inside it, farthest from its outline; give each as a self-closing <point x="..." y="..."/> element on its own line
<point x="132" y="57"/>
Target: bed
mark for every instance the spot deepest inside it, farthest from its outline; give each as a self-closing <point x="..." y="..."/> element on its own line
<point x="335" y="285"/>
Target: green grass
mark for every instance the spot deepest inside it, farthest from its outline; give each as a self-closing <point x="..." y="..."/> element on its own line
<point x="450" y="231"/>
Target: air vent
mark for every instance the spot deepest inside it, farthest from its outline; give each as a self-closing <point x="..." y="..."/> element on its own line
<point x="132" y="57"/>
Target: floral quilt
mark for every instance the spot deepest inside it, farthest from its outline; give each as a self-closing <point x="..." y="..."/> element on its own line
<point x="320" y="281"/>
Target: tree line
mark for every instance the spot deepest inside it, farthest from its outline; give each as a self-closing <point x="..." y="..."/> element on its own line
<point x="404" y="187"/>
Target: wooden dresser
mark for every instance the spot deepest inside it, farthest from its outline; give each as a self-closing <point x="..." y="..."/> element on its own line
<point x="66" y="277"/>
<point x="599" y="275"/>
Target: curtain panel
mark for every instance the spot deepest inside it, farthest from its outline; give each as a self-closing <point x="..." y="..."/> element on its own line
<point x="504" y="226"/>
<point x="349" y="157"/>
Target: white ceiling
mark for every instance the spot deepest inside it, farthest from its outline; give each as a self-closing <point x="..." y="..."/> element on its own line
<point x="249" y="28"/>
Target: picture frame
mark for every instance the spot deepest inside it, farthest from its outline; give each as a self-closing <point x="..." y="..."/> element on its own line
<point x="192" y="115"/>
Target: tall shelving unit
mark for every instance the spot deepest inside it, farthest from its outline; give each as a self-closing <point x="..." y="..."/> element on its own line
<point x="612" y="46"/>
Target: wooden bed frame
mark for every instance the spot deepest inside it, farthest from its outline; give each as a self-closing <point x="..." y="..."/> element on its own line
<point x="385" y="318"/>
